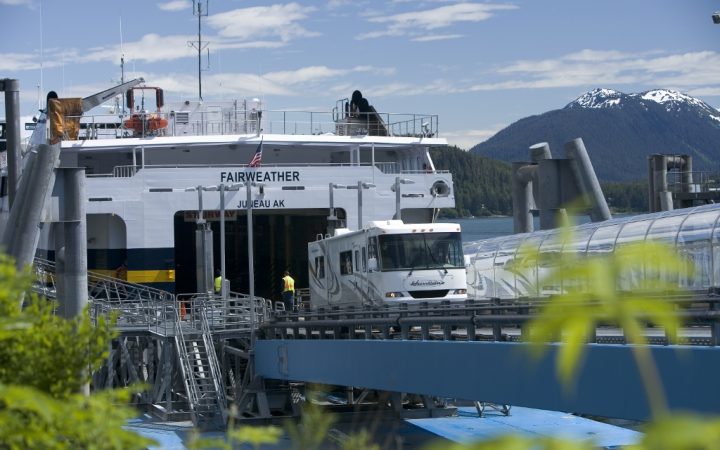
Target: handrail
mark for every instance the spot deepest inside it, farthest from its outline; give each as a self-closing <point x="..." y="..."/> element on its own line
<point x="386" y="167"/>
<point x="214" y="365"/>
<point x="191" y="383"/>
<point x="230" y="120"/>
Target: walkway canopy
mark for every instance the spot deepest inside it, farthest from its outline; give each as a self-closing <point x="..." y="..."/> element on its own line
<point x="693" y="231"/>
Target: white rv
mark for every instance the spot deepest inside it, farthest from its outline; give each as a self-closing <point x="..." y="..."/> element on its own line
<point x="387" y="262"/>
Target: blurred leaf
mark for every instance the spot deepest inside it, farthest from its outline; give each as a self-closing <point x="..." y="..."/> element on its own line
<point x="313" y="429"/>
<point x="255" y="436"/>
<point x="359" y="441"/>
<point x="517" y="442"/>
<point x="45" y="361"/>
<point x="682" y="432"/>
<point x="626" y="288"/>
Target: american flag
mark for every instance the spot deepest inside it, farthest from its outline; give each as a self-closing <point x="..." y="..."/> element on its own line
<point x="257" y="157"/>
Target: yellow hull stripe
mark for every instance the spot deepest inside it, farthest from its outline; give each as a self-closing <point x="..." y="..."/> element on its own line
<point x="141" y="276"/>
<point x="151" y="276"/>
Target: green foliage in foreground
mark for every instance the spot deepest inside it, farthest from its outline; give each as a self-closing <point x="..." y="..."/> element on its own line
<point x="516" y="442"/>
<point x="45" y="362"/>
<point x="594" y="290"/>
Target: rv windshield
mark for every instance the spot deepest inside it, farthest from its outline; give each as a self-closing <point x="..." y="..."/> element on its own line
<point x="419" y="251"/>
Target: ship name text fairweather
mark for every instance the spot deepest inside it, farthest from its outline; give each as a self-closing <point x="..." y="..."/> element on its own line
<point x="259" y="176"/>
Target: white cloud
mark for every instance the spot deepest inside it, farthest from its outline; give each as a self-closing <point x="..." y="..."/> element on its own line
<point x="257" y="22"/>
<point x="410" y="23"/>
<point x="10" y="62"/>
<point x="305" y="81"/>
<point x="16" y="2"/>
<point x="250" y="28"/>
<point x="437" y="87"/>
<point x="150" y="48"/>
<point x="436" y="37"/>
<point x="609" y="68"/>
<point x="466" y="139"/>
<point x="175" y="5"/>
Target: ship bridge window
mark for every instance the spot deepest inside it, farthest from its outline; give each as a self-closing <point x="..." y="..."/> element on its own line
<point x="421" y="251"/>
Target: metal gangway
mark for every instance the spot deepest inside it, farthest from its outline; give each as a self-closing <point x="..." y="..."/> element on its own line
<point x="191" y="324"/>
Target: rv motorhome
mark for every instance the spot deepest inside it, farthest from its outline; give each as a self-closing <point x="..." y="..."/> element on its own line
<point x="386" y="263"/>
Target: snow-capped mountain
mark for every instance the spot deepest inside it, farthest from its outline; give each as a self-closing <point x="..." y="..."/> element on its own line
<point x="671" y="101"/>
<point x="620" y="130"/>
<point x="598" y="98"/>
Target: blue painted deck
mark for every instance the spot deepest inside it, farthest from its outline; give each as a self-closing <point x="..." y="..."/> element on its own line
<point x="465" y="427"/>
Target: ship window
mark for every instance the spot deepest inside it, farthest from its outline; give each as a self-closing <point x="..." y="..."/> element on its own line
<point x="320" y="267"/>
<point x="3" y="186"/>
<point x="346" y="263"/>
<point x="357" y="260"/>
<point x="364" y="260"/>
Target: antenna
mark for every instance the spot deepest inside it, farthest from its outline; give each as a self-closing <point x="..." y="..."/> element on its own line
<point x="42" y="58"/>
<point x="122" y="55"/>
<point x="122" y="65"/>
<point x="198" y="11"/>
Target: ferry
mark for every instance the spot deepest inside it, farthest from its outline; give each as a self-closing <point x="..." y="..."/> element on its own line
<point x="307" y="173"/>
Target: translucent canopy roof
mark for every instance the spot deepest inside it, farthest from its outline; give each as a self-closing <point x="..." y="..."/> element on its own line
<point x="693" y="231"/>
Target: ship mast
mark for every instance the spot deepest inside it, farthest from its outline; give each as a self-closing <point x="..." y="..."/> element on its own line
<point x="199" y="45"/>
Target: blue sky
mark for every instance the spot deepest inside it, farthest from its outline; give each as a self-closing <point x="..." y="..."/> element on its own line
<point x="480" y="66"/>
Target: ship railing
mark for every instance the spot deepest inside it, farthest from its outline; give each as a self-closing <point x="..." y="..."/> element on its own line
<point x="390" y="168"/>
<point x="237" y="121"/>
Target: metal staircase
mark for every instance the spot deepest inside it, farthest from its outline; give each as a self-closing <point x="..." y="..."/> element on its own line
<point x="186" y="322"/>
<point x="201" y="370"/>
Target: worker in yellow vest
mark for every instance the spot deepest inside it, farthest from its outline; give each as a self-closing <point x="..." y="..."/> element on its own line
<point x="288" y="290"/>
<point x="218" y="282"/>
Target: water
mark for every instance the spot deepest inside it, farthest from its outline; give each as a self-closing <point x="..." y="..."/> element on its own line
<point x="484" y="227"/>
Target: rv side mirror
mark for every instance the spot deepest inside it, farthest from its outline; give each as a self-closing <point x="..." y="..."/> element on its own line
<point x="372" y="265"/>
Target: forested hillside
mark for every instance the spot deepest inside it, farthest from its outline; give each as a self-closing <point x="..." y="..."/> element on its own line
<point x="626" y="197"/>
<point x="482" y="186"/>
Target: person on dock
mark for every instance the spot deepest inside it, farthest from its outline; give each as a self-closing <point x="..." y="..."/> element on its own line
<point x="218" y="282"/>
<point x="288" y="290"/>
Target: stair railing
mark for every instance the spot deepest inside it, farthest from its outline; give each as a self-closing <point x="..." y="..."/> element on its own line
<point x="214" y="363"/>
<point x="191" y="386"/>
